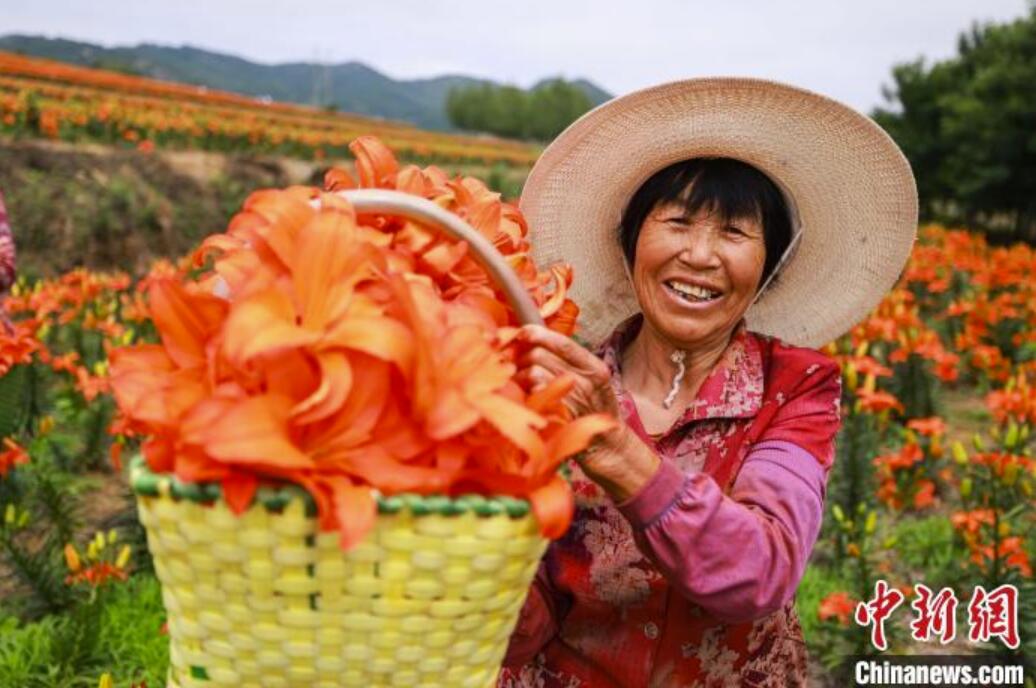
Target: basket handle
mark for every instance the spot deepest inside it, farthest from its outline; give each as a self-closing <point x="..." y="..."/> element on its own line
<point x="424" y="211"/>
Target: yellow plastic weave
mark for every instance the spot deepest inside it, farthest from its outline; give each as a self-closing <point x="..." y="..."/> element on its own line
<point x="266" y="600"/>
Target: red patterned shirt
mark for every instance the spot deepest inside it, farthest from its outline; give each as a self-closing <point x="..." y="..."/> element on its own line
<point x="691" y="581"/>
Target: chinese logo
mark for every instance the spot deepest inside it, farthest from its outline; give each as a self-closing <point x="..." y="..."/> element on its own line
<point x="991" y="615"/>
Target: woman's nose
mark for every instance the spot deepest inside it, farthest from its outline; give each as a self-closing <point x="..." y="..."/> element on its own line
<point x="700" y="247"/>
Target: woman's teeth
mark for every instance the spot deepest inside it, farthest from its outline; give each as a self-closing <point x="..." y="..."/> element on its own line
<point x="690" y="292"/>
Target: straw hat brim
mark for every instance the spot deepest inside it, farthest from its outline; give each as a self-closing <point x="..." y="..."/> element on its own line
<point x="851" y="187"/>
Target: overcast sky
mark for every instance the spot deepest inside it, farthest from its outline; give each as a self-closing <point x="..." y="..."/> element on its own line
<point x="842" y="48"/>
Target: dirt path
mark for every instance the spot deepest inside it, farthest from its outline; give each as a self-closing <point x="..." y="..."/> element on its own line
<point x="965" y="413"/>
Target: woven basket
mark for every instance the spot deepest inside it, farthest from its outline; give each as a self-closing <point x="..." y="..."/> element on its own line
<point x="428" y="598"/>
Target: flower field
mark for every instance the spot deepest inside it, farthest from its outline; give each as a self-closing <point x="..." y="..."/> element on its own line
<point x="43" y="98"/>
<point x="932" y="489"/>
<point x="934" y="481"/>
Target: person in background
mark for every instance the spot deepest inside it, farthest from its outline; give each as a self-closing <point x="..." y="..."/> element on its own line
<point x="7" y="258"/>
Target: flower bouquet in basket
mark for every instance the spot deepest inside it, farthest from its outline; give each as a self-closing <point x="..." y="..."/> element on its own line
<point x="342" y="483"/>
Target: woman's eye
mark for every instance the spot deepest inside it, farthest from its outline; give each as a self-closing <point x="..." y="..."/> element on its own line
<point x="731" y="229"/>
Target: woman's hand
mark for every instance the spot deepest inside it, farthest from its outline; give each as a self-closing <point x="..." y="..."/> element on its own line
<point x="551" y="354"/>
<point x="617" y="460"/>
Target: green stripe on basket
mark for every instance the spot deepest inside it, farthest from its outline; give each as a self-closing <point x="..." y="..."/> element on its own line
<point x="147" y="483"/>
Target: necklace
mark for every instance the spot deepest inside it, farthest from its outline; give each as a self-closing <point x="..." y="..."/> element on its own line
<point x="677" y="358"/>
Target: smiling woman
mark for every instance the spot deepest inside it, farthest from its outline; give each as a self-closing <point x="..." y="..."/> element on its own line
<point x="701" y="237"/>
<point x="756" y="221"/>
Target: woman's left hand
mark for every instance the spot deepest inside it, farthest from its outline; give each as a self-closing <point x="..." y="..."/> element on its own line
<point x="551" y="354"/>
<point x="617" y="460"/>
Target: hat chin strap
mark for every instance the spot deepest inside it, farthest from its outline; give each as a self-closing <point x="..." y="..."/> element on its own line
<point x="785" y="257"/>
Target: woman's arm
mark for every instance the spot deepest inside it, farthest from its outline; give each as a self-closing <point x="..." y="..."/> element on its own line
<point x="739" y="556"/>
<point x="742" y="556"/>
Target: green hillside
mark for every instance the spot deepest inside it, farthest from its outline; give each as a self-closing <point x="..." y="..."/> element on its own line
<point x="349" y="87"/>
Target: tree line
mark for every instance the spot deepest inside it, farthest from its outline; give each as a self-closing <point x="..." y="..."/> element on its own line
<point x="538" y="114"/>
<point x="968" y="126"/>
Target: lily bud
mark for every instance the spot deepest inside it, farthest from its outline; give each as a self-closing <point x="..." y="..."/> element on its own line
<point x="124" y="557"/>
<point x="935" y="448"/>
<point x="852" y="378"/>
<point x="976" y="440"/>
<point x="965" y="487"/>
<point x="1011" y="438"/>
<point x="837" y="512"/>
<point x="871" y="524"/>
<point x="870" y="382"/>
<point x="72" y="558"/>
<point x="1011" y="474"/>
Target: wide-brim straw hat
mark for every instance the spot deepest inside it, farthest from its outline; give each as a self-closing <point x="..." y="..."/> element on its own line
<point x="851" y="193"/>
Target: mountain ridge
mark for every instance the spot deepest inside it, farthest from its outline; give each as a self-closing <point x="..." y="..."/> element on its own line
<point x="351" y="86"/>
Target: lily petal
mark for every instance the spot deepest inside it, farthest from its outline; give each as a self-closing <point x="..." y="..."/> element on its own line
<point x="239" y="490"/>
<point x="336" y="380"/>
<point x="250" y="432"/>
<point x="184" y="320"/>
<point x="553" y="505"/>
<point x="375" y="164"/>
<point x="355" y="510"/>
<point x="262" y="324"/>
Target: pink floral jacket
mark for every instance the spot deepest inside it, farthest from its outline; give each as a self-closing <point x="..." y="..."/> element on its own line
<point x="691" y="581"/>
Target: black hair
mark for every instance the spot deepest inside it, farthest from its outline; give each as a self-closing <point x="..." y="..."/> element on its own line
<point x="731" y="188"/>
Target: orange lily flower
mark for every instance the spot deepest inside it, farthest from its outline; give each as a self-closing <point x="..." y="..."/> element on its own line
<point x="345" y="353"/>
<point x="12" y="455"/>
<point x="931" y="427"/>
<point x="878" y="401"/>
<point x="838" y="606"/>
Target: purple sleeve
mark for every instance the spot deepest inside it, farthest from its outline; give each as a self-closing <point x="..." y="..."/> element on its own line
<point x="739" y="557"/>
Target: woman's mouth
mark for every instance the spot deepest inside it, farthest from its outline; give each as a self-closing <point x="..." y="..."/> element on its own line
<point x="690" y="293"/>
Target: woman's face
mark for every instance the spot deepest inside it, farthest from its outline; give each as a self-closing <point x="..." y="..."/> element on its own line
<point x="696" y="276"/>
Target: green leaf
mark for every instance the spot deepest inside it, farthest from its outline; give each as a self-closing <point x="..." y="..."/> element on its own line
<point x="12" y="400"/>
